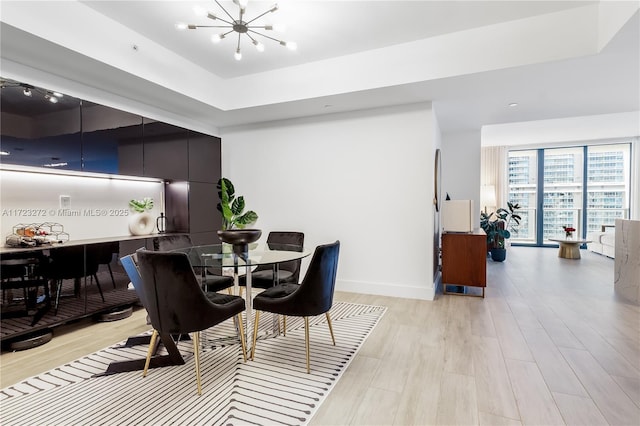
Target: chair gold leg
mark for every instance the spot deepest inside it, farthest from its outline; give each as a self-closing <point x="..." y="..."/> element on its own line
<point x="255" y="334"/>
<point x="196" y="355"/>
<point x="306" y="341"/>
<point x="330" y="328"/>
<point x="152" y="345"/>
<point x="284" y="325"/>
<point x="240" y="291"/>
<point x="241" y="330"/>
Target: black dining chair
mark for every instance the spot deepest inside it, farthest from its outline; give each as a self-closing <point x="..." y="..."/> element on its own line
<point x="287" y="272"/>
<point x="213" y="279"/>
<point x="177" y="304"/>
<point x="104" y="253"/>
<point x="73" y="262"/>
<point x="314" y="295"/>
<point x="24" y="271"/>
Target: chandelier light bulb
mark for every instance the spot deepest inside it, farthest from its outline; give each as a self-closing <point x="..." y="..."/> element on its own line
<point x="259" y="46"/>
<point x="27" y="92"/>
<point x="237" y="55"/>
<point x="217" y="37"/>
<point x="280" y="28"/>
<point x="291" y="45"/>
<point x="243" y="3"/>
<point x="181" y="26"/>
<point x="58" y="94"/>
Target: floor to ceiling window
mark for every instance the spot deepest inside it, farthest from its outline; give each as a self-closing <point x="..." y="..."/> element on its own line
<point x="583" y="187"/>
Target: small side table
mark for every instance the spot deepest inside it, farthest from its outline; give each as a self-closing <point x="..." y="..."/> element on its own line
<point x="569" y="248"/>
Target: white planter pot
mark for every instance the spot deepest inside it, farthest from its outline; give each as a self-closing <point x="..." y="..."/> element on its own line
<point x="141" y="223"/>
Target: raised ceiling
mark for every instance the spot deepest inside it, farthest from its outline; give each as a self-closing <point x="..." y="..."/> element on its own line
<point x="556" y="59"/>
<point x="322" y="29"/>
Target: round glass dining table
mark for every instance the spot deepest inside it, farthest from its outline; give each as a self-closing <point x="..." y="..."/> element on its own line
<point x="221" y="257"/>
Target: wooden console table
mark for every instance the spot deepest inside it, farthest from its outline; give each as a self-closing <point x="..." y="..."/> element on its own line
<point x="464" y="260"/>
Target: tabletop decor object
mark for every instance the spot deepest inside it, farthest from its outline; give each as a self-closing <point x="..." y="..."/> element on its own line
<point x="141" y="222"/>
<point x="568" y="231"/>
<point x="36" y="234"/>
<point x="239" y="239"/>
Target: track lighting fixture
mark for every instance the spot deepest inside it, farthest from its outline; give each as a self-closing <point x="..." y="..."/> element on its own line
<point x="28" y="90"/>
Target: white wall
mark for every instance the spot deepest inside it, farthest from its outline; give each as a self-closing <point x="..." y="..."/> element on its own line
<point x="461" y="167"/>
<point x="364" y="178"/>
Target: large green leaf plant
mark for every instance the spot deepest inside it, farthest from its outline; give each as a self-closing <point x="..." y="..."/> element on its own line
<point x="499" y="229"/>
<point x="232" y="207"/>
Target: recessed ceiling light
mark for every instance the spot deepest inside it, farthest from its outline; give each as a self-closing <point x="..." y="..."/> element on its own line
<point x="513" y="104"/>
<point x="4" y="152"/>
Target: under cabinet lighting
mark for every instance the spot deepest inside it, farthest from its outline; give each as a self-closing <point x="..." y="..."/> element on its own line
<point x="53" y="171"/>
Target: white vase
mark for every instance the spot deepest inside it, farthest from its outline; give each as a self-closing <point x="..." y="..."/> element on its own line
<point x="141" y="223"/>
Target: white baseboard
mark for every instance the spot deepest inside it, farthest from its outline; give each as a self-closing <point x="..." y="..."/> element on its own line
<point x="387" y="289"/>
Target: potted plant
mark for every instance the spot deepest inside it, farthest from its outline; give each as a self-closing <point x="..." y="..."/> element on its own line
<point x="232" y="208"/>
<point x="234" y="219"/>
<point x="498" y="229"/>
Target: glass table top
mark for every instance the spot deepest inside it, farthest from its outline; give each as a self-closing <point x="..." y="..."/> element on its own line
<point x="221" y="255"/>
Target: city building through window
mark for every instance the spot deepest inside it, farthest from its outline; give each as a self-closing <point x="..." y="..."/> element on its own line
<point x="582" y="187"/>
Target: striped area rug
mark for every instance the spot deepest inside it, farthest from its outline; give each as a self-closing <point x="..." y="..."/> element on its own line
<point x="274" y="389"/>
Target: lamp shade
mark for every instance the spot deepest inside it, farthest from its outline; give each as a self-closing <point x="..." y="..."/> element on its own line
<point x="488" y="196"/>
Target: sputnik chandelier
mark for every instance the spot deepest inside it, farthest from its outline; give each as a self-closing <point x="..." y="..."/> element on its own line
<point x="240" y="26"/>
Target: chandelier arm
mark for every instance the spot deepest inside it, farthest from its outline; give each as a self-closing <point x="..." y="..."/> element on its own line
<point x="239" y="36"/>
<point x="223" y="20"/>
<point x="225" y="10"/>
<point x="213" y="26"/>
<point x="223" y="35"/>
<point x="259" y="16"/>
<point x="264" y="35"/>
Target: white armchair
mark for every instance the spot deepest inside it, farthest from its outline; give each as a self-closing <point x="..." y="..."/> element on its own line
<point x="603" y="242"/>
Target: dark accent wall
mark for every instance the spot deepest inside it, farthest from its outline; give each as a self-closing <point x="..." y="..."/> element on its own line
<point x="190" y="162"/>
<point x="96" y="138"/>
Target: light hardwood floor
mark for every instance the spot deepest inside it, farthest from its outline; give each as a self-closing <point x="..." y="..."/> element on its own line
<point x="550" y="344"/>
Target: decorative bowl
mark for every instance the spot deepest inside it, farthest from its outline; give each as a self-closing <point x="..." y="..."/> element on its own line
<point x="239" y="238"/>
